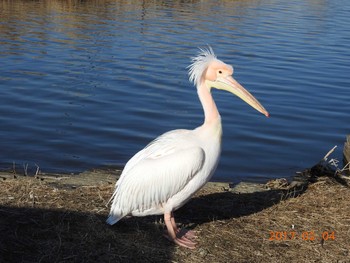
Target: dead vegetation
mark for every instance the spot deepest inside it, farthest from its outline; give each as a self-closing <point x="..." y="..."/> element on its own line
<point x="43" y="220"/>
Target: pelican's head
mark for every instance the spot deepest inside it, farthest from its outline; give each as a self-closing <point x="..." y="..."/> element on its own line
<point x="207" y="70"/>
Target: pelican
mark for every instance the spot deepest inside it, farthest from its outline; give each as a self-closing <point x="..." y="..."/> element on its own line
<point x="164" y="175"/>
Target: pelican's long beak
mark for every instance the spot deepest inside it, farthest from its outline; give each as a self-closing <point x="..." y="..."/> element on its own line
<point x="231" y="85"/>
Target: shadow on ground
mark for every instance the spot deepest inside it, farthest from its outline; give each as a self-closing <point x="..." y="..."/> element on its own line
<point x="59" y="228"/>
<point x="40" y="235"/>
<point x="226" y="205"/>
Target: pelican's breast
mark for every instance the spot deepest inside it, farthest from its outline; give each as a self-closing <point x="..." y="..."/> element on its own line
<point x="209" y="139"/>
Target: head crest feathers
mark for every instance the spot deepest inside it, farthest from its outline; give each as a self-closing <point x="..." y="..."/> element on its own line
<point x="200" y="63"/>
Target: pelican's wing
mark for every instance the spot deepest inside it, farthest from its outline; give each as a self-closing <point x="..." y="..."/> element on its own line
<point x="156" y="173"/>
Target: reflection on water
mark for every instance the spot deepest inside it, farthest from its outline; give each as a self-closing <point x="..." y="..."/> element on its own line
<point x="89" y="83"/>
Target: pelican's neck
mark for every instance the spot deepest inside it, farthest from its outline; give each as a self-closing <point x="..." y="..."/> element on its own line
<point x="211" y="113"/>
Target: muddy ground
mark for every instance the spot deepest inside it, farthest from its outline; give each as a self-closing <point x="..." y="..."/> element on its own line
<point x="61" y="218"/>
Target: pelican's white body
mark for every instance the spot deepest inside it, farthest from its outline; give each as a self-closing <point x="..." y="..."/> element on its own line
<point x="164" y="175"/>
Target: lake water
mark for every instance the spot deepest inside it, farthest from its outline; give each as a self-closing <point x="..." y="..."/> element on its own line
<point x="85" y="84"/>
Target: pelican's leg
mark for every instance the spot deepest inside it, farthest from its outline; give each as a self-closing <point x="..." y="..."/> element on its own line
<point x="181" y="241"/>
<point x="172" y="220"/>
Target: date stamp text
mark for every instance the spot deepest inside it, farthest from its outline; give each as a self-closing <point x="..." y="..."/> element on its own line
<point x="305" y="235"/>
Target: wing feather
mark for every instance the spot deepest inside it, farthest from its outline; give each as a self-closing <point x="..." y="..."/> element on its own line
<point x="155" y="174"/>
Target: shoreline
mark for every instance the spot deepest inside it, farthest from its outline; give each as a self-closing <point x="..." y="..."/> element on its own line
<point x="110" y="175"/>
<point x="61" y="218"/>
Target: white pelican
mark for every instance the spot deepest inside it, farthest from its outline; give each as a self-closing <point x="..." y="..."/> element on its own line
<point x="164" y="175"/>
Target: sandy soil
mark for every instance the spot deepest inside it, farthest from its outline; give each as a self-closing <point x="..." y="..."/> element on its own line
<point x="60" y="218"/>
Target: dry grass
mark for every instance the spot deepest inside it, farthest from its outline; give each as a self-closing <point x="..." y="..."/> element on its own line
<point x="45" y="222"/>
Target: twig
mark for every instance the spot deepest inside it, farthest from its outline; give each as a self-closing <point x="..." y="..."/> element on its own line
<point x="37" y="171"/>
<point x="14" y="170"/>
<point x="25" y="167"/>
<point x="339" y="172"/>
<point x="329" y="153"/>
<point x="346" y="167"/>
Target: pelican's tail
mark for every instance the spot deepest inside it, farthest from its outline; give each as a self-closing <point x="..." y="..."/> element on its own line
<point x="115" y="214"/>
<point x="112" y="219"/>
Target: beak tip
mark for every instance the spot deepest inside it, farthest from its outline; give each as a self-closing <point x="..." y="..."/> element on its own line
<point x="267" y="115"/>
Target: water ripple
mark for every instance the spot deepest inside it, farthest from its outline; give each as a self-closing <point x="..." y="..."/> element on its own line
<point x="90" y="84"/>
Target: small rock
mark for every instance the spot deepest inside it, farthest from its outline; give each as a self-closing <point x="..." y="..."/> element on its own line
<point x="247" y="188"/>
<point x="203" y="252"/>
<point x="277" y="183"/>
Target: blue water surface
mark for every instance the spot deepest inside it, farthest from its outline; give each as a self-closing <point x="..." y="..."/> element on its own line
<point x="85" y="84"/>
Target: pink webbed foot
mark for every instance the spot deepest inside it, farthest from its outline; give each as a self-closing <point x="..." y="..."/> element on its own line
<point x="186" y="233"/>
<point x="181" y="237"/>
<point x="184" y="236"/>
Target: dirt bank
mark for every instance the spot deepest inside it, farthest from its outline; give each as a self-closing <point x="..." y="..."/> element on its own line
<point x="62" y="219"/>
